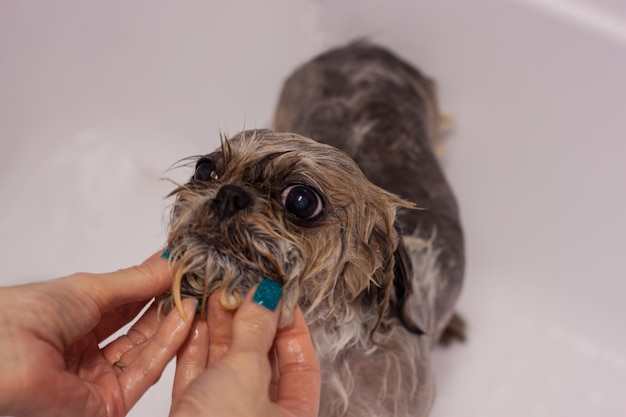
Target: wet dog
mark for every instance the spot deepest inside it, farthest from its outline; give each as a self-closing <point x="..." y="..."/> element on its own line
<point x="350" y="212"/>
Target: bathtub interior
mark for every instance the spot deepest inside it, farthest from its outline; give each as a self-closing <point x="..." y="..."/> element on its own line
<point x="99" y="99"/>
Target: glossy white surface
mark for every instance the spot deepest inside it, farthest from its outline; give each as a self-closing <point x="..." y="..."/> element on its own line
<point x="98" y="99"/>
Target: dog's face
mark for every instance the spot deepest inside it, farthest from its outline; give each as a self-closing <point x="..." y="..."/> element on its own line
<point x="284" y="207"/>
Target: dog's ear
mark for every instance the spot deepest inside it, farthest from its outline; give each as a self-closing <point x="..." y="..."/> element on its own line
<point x="402" y="287"/>
<point x="394" y="296"/>
<point x="394" y="276"/>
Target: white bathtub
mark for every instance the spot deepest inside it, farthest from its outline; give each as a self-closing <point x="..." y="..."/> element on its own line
<point x="97" y="100"/>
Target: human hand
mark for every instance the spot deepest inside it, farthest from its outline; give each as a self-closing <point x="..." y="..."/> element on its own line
<point x="50" y="360"/>
<point x="238" y="364"/>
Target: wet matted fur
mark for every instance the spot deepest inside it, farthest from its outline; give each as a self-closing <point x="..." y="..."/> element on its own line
<point x="350" y="212"/>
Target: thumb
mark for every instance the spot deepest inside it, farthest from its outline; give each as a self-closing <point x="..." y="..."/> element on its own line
<point x="256" y="321"/>
<point x="141" y="282"/>
<point x="67" y="308"/>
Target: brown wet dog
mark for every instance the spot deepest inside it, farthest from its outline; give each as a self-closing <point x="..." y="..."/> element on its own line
<point x="356" y="223"/>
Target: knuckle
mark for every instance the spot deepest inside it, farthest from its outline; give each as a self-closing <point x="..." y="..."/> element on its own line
<point x="259" y="327"/>
<point x="136" y="336"/>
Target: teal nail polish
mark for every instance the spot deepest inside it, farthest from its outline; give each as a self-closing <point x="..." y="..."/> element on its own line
<point x="267" y="294"/>
<point x="166" y="254"/>
<point x="197" y="306"/>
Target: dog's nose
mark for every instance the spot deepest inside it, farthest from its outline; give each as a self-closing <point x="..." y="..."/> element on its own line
<point x="229" y="200"/>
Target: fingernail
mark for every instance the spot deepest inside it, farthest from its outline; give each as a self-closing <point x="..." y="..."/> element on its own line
<point x="197" y="306"/>
<point x="267" y="294"/>
<point x="166" y="254"/>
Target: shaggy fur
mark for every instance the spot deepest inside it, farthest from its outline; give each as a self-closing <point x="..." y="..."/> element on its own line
<point x="376" y="299"/>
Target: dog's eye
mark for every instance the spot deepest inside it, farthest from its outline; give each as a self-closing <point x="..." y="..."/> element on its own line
<point x="302" y="201"/>
<point x="205" y="170"/>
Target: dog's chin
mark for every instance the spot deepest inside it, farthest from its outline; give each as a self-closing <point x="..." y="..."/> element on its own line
<point x="200" y="270"/>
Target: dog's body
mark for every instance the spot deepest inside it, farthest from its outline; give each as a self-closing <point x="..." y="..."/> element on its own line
<point x="301" y="212"/>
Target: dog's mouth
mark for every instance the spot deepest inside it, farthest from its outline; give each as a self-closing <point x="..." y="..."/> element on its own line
<point x="231" y="277"/>
<point x="230" y="257"/>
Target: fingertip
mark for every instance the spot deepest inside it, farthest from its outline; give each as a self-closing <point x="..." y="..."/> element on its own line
<point x="189" y="310"/>
<point x="299" y="386"/>
<point x="154" y="270"/>
<point x="217" y="314"/>
<point x="263" y="299"/>
<point x="220" y="326"/>
<point x="267" y="294"/>
<point x="298" y="325"/>
<point x="294" y="342"/>
<point x="158" y="267"/>
<point x="177" y="322"/>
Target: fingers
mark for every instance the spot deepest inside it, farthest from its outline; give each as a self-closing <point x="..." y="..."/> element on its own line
<point x="141" y="332"/>
<point x="117" y="317"/>
<point x="192" y="358"/>
<point x="220" y="322"/>
<point x="142" y="282"/>
<point x="210" y="341"/>
<point x="255" y="323"/>
<point x="239" y="370"/>
<point x="253" y="330"/>
<point x="299" y="383"/>
<point x="65" y="309"/>
<point x="155" y="342"/>
<point x="207" y="343"/>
